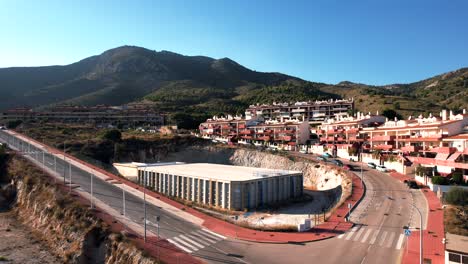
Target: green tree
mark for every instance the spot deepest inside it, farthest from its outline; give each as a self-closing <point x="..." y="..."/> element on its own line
<point x="112" y="135"/>
<point x="457" y="196"/>
<point x="13" y="124"/>
<point x="457" y="177"/>
<point x="396" y="105"/>
<point x="391" y="114"/>
<point x="439" y="180"/>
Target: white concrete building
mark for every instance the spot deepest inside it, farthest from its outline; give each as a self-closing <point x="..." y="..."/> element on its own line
<point x="223" y="186"/>
<point x="130" y="169"/>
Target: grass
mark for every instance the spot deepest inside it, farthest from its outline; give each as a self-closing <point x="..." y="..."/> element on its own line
<point x="456" y="220"/>
<point x="3" y="258"/>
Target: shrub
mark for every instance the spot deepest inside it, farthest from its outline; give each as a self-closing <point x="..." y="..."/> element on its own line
<point x="112" y="135"/>
<point x="439" y="180"/>
<point x="457" y="177"/>
<point x="457" y="196"/>
<point x="13" y="124"/>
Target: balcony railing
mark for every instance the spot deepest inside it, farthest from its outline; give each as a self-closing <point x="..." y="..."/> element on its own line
<point x="383" y="138"/>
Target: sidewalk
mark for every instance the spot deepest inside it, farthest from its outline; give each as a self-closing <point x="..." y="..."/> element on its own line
<point x="158" y="249"/>
<point x="433" y="248"/>
<point x="335" y="225"/>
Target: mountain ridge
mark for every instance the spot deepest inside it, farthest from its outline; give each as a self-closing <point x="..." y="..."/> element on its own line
<point x="202" y="86"/>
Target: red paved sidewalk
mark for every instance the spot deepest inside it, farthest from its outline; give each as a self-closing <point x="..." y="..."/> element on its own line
<point x="336" y="224"/>
<point x="433" y="248"/>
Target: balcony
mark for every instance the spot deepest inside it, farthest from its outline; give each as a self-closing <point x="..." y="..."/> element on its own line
<point x="286" y="132"/>
<point x="241" y="125"/>
<point x="383" y="147"/>
<point x="411" y="148"/>
<point x="298" y="110"/>
<point x="382" y="138"/>
<point x="286" y="138"/>
<point x="431" y="138"/>
<point x="246" y="132"/>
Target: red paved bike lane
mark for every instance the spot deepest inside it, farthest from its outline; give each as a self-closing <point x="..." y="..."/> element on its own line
<point x="336" y="224"/>
<point x="433" y="248"/>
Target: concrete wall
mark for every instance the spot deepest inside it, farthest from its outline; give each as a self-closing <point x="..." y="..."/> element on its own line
<point x="129" y="172"/>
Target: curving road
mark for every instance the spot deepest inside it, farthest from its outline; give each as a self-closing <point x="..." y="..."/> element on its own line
<point x="377" y="236"/>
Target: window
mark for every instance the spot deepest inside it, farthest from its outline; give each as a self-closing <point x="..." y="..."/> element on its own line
<point x="455" y="257"/>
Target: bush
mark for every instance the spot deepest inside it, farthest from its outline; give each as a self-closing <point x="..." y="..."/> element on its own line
<point x="13" y="124"/>
<point x="439" y="180"/>
<point x="112" y="135"/>
<point x="457" y="196"/>
<point x="457" y="177"/>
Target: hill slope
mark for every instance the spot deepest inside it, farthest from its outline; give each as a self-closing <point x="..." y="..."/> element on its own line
<point x="201" y="86"/>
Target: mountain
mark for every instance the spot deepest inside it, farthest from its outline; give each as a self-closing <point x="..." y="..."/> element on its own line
<point x="198" y="86"/>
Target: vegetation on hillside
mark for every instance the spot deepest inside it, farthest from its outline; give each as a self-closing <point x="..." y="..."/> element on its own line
<point x="198" y="87"/>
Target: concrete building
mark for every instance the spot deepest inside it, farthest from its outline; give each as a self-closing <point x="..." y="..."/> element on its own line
<point x="223" y="186"/>
<point x="456" y="249"/>
<point x="313" y="112"/>
<point x="130" y="169"/>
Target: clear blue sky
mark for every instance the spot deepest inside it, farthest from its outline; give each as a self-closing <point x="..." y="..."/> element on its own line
<point x="374" y="42"/>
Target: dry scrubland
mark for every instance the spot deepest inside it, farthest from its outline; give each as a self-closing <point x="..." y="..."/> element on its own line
<point x="66" y="227"/>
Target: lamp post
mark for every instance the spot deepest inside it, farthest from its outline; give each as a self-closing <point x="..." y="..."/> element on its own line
<point x="92" y="202"/>
<point x="144" y="198"/>
<point x="420" y="234"/>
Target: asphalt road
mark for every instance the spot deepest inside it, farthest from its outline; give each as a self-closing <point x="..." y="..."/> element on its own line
<point x="377" y="238"/>
<point x="182" y="233"/>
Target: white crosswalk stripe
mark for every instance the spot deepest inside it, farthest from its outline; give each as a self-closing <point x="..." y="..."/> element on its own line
<point x="351" y="233"/>
<point x="358" y="235"/>
<point x="368" y="235"/>
<point x="195" y="240"/>
<point x="390" y="240"/>
<point x="374" y="237"/>
<point x="400" y="242"/>
<point x="382" y="238"/>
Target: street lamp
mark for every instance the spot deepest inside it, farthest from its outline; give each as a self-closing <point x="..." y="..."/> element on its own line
<point x="144" y="198"/>
<point x="420" y="234"/>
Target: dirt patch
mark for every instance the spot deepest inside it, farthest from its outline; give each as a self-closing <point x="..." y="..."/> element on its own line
<point x="19" y="245"/>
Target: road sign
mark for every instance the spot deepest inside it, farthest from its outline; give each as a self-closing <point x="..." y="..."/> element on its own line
<point x="407" y="232"/>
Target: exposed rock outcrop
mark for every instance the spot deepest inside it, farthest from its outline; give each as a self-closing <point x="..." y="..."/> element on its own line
<point x="69" y="229"/>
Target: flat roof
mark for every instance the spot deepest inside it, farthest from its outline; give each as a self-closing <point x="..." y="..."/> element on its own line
<point x="456" y="243"/>
<point x="141" y="164"/>
<point x="220" y="172"/>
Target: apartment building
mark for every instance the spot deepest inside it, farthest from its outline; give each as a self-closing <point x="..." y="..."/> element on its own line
<point x="255" y="131"/>
<point x="313" y="112"/>
<point x="99" y="114"/>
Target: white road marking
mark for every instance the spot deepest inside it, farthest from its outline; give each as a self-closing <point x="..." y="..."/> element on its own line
<point x="179" y="246"/>
<point x="358" y="235"/>
<point x="374" y="237"/>
<point x="185" y="243"/>
<point x="351" y="233"/>
<point x="341" y="236"/>
<point x="213" y="233"/>
<point x="190" y="241"/>
<point x="203" y="235"/>
<point x="366" y="235"/>
<point x="390" y="240"/>
<point x="198" y="239"/>
<point x="384" y="235"/>
<point x="400" y="241"/>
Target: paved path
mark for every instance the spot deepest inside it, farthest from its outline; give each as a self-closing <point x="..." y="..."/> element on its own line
<point x="376" y="238"/>
<point x="433" y="232"/>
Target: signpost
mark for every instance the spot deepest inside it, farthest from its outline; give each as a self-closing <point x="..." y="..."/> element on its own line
<point x="349" y="211"/>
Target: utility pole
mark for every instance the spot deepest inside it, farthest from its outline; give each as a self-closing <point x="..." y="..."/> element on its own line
<point x="420" y="234"/>
<point x="123" y="201"/>
<point x="70" y="174"/>
<point x="144" y="197"/>
<point x="362" y="175"/>
<point x="64" y="163"/>
<point x="92" y="202"/>
<point x="55" y="168"/>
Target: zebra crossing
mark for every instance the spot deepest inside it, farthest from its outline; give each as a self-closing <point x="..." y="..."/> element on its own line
<point x="196" y="240"/>
<point x="382" y="238"/>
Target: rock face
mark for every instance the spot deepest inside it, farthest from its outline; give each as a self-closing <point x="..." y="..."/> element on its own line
<point x="69" y="229"/>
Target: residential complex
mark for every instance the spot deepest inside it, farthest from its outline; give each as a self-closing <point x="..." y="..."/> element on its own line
<point x="222" y="186"/>
<point x="100" y="114"/>
<point x="439" y="142"/>
<point x="313" y="112"/>
<point x="253" y="131"/>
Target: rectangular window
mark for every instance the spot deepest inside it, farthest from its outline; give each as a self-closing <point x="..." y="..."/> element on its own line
<point x="455" y="257"/>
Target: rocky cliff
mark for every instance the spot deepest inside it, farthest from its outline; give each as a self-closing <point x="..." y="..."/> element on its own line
<point x="69" y="228"/>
